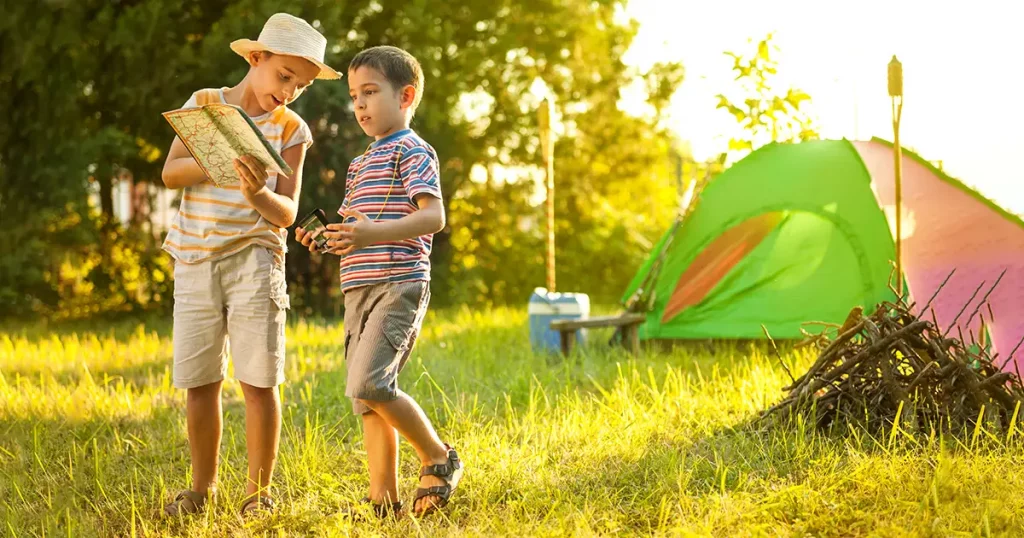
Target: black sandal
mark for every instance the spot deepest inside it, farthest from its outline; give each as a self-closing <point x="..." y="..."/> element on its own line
<point x="450" y="472"/>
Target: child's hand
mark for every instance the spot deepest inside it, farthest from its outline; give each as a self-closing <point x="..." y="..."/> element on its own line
<point x="305" y="238"/>
<point x="253" y="175"/>
<point x="343" y="239"/>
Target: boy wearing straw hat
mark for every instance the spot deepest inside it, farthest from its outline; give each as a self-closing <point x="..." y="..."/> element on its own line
<point x="392" y="208"/>
<point x="228" y="243"/>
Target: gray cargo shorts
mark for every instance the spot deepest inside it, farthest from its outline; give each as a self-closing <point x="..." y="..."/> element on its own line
<point x="382" y="323"/>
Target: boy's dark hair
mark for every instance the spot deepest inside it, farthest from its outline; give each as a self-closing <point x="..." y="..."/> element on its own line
<point x="400" y="68"/>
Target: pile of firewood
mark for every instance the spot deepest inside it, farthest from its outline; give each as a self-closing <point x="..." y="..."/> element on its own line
<point x="893" y="365"/>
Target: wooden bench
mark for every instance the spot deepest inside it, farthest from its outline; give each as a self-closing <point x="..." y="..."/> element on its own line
<point x="629" y="322"/>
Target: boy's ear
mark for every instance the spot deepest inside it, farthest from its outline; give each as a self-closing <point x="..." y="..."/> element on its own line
<point x="408" y="96"/>
<point x="255" y="57"/>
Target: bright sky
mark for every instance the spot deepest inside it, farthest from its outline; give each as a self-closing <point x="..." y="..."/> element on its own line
<point x="962" y="85"/>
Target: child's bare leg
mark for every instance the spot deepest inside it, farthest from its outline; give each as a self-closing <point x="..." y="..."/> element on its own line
<point x="406" y="416"/>
<point x="381" y="442"/>
<point x="203" y="414"/>
<point x="262" y="433"/>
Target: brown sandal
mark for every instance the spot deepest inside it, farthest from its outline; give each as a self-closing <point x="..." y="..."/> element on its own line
<point x="262" y="503"/>
<point x="186" y="502"/>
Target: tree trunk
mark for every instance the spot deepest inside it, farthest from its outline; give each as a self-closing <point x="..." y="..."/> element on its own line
<point x="105" y="178"/>
<point x="440" y="262"/>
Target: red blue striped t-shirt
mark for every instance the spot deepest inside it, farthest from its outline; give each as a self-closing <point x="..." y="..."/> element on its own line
<point x="383" y="184"/>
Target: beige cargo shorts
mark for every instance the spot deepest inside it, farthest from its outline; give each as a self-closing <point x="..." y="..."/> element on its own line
<point x="242" y="300"/>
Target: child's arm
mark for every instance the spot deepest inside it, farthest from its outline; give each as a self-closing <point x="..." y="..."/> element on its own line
<point x="280" y="206"/>
<point x="180" y="169"/>
<point x="345" y="238"/>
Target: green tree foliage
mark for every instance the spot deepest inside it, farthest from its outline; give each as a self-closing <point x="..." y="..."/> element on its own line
<point x="764" y="114"/>
<point x="76" y="81"/>
<point x="614" y="187"/>
<point x="85" y="83"/>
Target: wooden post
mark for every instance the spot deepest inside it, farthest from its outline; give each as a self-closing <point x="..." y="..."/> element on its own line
<point x="631" y="337"/>
<point x="568" y="341"/>
<point x="547" y="143"/>
<point x="896" y="94"/>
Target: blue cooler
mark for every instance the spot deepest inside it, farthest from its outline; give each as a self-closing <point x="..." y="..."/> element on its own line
<point x="546" y="307"/>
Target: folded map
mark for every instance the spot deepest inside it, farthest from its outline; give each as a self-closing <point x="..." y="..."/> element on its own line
<point x="218" y="133"/>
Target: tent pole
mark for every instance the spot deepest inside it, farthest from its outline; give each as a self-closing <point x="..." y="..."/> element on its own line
<point x="896" y="94"/>
<point x="547" y="148"/>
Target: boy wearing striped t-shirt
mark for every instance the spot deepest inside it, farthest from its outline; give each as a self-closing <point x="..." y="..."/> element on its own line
<point x="228" y="243"/>
<point x="392" y="208"/>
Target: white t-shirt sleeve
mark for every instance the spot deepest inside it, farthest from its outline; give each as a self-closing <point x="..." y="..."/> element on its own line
<point x="302" y="135"/>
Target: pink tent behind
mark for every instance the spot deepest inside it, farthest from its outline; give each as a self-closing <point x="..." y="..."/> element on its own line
<point x="946" y="226"/>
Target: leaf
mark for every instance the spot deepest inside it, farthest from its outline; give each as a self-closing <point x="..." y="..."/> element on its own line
<point x="795" y="97"/>
<point x="737" y="112"/>
<point x="737" y="60"/>
<point x="740" y="145"/>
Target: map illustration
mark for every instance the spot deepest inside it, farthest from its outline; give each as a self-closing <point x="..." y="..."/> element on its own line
<point x="216" y="134"/>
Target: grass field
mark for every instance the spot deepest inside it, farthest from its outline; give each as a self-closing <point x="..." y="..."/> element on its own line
<point x="92" y="439"/>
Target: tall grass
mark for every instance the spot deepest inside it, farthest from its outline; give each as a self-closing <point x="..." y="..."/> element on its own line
<point x="92" y="440"/>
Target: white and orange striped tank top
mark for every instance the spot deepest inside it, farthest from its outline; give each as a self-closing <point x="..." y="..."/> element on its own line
<point x="214" y="222"/>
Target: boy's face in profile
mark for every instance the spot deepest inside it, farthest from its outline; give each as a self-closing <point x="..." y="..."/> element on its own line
<point x="279" y="79"/>
<point x="379" y="106"/>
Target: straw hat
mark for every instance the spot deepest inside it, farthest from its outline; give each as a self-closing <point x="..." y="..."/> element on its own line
<point x="287" y="34"/>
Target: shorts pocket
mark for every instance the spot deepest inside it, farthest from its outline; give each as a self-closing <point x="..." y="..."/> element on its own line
<point x="348" y="343"/>
<point x="279" y="289"/>
<point x="268" y="263"/>
<point x="402" y="325"/>
<point x="280" y="303"/>
<point x="398" y="329"/>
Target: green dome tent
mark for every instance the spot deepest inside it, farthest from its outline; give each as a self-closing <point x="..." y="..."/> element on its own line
<point x="804" y="232"/>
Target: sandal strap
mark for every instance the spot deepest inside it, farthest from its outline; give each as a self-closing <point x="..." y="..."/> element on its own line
<point x="443" y="470"/>
<point x="265" y="502"/>
<point x="383" y="510"/>
<point x="440" y="470"/>
<point x="197" y="499"/>
<point x="444" y="492"/>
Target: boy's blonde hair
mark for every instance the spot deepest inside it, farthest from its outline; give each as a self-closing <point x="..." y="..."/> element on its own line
<point x="400" y="68"/>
